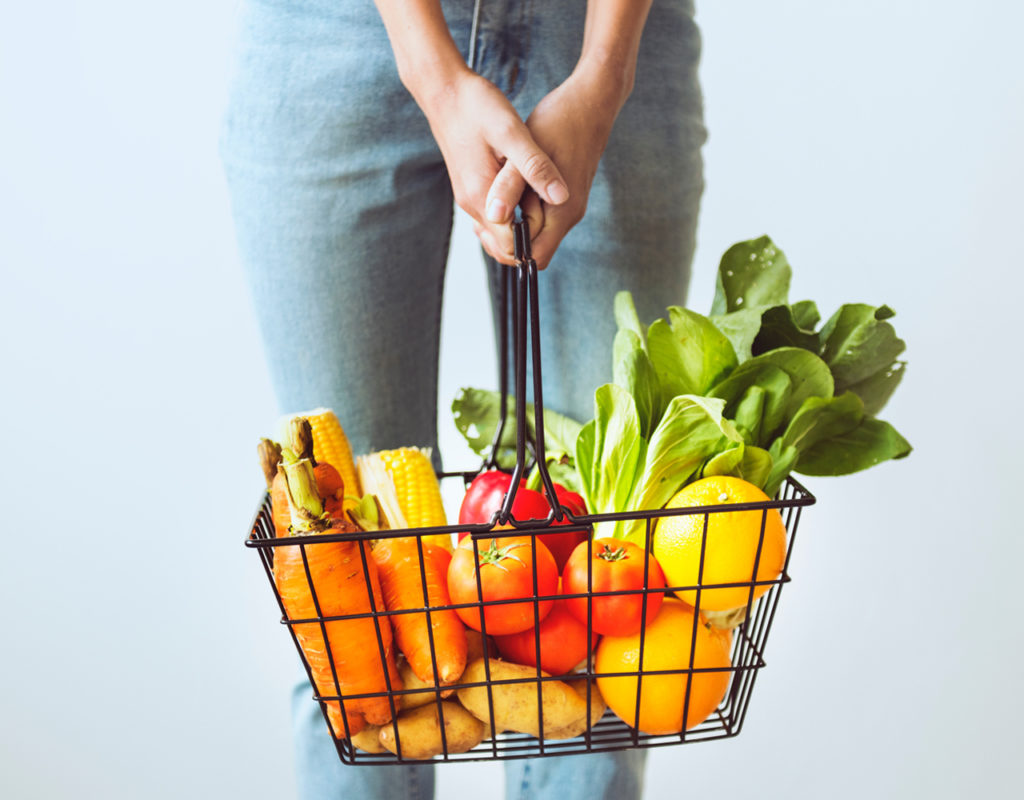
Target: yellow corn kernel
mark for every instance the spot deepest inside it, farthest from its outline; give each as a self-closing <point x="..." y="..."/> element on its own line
<point x="416" y="489"/>
<point x="331" y="445"/>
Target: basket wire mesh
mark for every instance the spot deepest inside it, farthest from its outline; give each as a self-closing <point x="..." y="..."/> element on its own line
<point x="749" y="637"/>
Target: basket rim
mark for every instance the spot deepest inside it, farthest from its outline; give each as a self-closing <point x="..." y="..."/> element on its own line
<point x="801" y="499"/>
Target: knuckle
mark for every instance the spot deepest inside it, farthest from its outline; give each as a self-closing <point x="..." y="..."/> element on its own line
<point x="536" y="167"/>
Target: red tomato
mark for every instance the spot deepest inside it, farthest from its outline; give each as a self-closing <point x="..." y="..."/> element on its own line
<point x="563" y="642"/>
<point x="487" y="492"/>
<point x="484" y="496"/>
<point x="570" y="501"/>
<point x="506" y="573"/>
<point x="616" y="565"/>
<point x="562" y="544"/>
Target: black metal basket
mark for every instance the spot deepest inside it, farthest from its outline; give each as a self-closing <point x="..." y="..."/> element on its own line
<point x="749" y="637"/>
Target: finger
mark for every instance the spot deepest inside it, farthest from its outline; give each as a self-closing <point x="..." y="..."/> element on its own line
<point x="492" y="246"/>
<point x="535" y="167"/>
<point x="546" y="243"/>
<point x="505" y="193"/>
<point x="533" y="213"/>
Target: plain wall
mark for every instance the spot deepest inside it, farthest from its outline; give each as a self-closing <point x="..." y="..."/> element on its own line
<point x="878" y="143"/>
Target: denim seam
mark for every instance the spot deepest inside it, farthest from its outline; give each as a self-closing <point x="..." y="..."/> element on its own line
<point x="438" y="457"/>
<point x="524" y="787"/>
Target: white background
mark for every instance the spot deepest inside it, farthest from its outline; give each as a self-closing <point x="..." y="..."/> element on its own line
<point x="879" y="143"/>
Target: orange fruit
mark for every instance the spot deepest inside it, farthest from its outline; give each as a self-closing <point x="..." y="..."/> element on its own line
<point x="731" y="546"/>
<point x="666" y="647"/>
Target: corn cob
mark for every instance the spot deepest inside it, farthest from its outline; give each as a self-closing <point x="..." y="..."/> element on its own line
<point x="405" y="483"/>
<point x="331" y="445"/>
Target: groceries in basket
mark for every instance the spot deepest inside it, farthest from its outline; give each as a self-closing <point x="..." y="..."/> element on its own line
<point x="616" y="589"/>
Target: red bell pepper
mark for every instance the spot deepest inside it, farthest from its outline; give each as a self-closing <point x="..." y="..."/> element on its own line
<point x="487" y="492"/>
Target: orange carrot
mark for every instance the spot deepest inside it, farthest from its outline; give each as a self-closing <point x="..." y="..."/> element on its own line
<point x="336" y="573"/>
<point x="398" y="561"/>
<point x="270" y="456"/>
<point x="329" y="482"/>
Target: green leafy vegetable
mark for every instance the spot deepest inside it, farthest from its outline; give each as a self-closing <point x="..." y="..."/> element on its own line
<point x="871" y="442"/>
<point x="689" y="353"/>
<point x="751" y="463"/>
<point x="633" y="371"/>
<point x="861" y="348"/>
<point x="753" y="390"/>
<point x="752" y="273"/>
<point x="610" y="450"/>
<point x="478" y="411"/>
<point x="780" y="328"/>
<point x="691" y="431"/>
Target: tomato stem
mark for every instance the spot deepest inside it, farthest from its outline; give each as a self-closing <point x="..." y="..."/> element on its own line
<point x="494" y="555"/>
<point x="607" y="554"/>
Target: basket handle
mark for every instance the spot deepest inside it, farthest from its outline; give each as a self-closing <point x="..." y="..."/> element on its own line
<point x="518" y="295"/>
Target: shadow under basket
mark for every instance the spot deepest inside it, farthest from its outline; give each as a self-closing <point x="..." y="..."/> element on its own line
<point x="610" y="732"/>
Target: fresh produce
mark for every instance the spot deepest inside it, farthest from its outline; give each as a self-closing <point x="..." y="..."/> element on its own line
<point x="329" y="483"/>
<point x="753" y="391"/>
<point x="563" y="642"/>
<point x="597" y="709"/>
<point x="663" y="698"/>
<point x="416" y="692"/>
<point x="344" y="578"/>
<point x="442" y="556"/>
<point x="732" y="544"/>
<point x="515" y="704"/>
<point x="368" y="739"/>
<point x="404" y="482"/>
<point x="487" y="491"/>
<point x="613" y="565"/>
<point x="484" y="497"/>
<point x="478" y="647"/>
<point x="270" y="456"/>
<point x="330" y="445"/>
<point x="413" y="583"/>
<point x="506" y="567"/>
<point x="419" y="731"/>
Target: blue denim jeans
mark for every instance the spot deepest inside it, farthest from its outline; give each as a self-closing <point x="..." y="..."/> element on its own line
<point x="343" y="213"/>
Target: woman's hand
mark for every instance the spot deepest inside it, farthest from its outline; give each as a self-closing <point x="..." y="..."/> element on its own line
<point x="480" y="136"/>
<point x="476" y="128"/>
<point x="572" y="125"/>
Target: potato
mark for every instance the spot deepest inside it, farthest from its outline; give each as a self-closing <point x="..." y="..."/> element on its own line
<point x="597" y="709"/>
<point x="411" y="681"/>
<point x="368" y="739"/>
<point x="475" y="649"/>
<point x="419" y="731"/>
<point x="515" y="704"/>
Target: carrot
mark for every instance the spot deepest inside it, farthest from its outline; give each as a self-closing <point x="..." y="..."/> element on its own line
<point x="398" y="562"/>
<point x="329" y="482"/>
<point x="349" y="662"/>
<point x="270" y="456"/>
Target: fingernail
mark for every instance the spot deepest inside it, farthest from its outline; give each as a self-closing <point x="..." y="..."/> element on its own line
<point x="557" y="191"/>
<point x="497" y="211"/>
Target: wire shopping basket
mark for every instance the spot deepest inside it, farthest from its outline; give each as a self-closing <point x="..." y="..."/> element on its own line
<point x="662" y="690"/>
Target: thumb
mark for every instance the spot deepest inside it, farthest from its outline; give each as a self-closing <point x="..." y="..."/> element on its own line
<point x="535" y="167"/>
<point x="505" y="192"/>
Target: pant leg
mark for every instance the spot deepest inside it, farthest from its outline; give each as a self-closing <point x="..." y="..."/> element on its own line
<point x="343" y="211"/>
<point x="320" y="774"/>
<point x="616" y="775"/>
<point x="639" y="231"/>
<point x="638" y="234"/>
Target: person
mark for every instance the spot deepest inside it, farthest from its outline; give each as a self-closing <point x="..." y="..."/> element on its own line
<point x="349" y="132"/>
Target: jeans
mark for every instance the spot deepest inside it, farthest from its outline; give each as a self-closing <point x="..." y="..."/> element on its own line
<point x="343" y="213"/>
